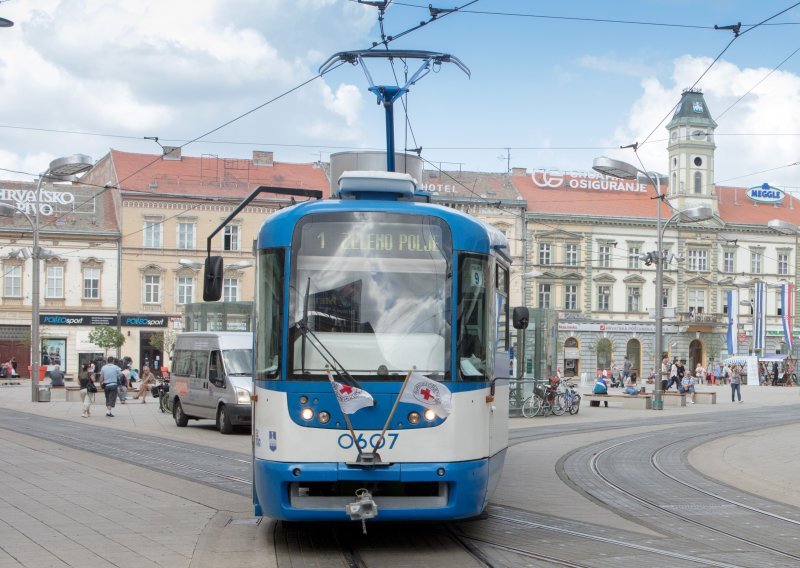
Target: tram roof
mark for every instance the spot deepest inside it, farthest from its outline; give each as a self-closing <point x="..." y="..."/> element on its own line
<point x="468" y="233"/>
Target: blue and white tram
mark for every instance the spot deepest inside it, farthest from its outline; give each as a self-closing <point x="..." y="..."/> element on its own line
<point x="375" y="284"/>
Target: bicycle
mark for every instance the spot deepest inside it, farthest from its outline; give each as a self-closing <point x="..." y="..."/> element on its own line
<point x="572" y="399"/>
<point x="544" y="400"/>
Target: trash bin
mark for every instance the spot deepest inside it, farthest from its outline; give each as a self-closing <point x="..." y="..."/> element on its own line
<point x="44" y="393"/>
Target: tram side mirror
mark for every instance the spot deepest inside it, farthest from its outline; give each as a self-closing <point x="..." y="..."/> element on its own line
<point x="212" y="279"/>
<point x="521" y="317"/>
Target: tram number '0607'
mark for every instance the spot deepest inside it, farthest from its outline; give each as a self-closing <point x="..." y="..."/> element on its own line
<point x="374" y="441"/>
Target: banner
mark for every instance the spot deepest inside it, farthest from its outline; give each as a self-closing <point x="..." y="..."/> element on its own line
<point x="760" y="317"/>
<point x="733" y="320"/>
<point x="787" y="313"/>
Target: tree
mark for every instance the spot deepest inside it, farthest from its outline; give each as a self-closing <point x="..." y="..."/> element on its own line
<point x="106" y="338"/>
<point x="163" y="340"/>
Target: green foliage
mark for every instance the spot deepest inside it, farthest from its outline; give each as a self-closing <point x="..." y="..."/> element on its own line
<point x="106" y="338"/>
<point x="163" y="340"/>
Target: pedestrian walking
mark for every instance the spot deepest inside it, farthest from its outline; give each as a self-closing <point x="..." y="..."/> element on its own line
<point x="673" y="374"/>
<point x="736" y="384"/>
<point x="626" y="369"/>
<point x="664" y="373"/>
<point x="148" y="379"/>
<point x="123" y="382"/>
<point x="87" y="390"/>
<point x="700" y="374"/>
<point x="110" y="373"/>
<point x="774" y="373"/>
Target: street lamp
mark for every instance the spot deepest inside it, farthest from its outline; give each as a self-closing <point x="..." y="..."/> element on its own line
<point x="624" y="170"/>
<point x="60" y="169"/>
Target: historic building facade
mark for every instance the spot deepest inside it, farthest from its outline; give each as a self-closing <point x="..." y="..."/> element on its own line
<point x="80" y="251"/>
<point x="589" y="236"/>
<point x="169" y="204"/>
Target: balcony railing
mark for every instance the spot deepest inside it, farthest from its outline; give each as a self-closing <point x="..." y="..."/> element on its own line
<point x="703" y="317"/>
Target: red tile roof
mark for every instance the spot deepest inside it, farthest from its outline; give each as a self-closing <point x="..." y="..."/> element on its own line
<point x="736" y="208"/>
<point x="205" y="176"/>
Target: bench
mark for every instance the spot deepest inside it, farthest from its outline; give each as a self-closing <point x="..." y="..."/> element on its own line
<point x="640" y="400"/>
<point x="700" y="397"/>
<point x="73" y="393"/>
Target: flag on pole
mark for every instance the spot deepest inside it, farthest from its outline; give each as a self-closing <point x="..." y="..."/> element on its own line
<point x="787" y="312"/>
<point x="733" y="320"/>
<point x="419" y="389"/>
<point x="351" y="399"/>
<point x="760" y="317"/>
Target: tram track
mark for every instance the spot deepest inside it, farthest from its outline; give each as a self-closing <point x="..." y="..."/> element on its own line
<point x="652" y="504"/>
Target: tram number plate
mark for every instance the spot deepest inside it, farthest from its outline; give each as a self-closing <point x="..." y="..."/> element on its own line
<point x="374" y="441"/>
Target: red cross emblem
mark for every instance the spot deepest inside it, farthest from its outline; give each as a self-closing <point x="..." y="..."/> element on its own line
<point x="426" y="393"/>
<point x="345" y="389"/>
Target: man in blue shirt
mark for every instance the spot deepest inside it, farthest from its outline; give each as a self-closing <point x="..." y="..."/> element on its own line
<point x="110" y="373"/>
<point x="601" y="387"/>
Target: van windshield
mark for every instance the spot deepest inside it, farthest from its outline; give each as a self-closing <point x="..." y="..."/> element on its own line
<point x="238" y="362"/>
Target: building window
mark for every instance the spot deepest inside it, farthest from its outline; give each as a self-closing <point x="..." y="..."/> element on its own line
<point x="783" y="264"/>
<point x="633" y="257"/>
<point x="755" y="262"/>
<point x="728" y="264"/>
<point x="665" y="297"/>
<point x="697" y="301"/>
<point x="544" y="253"/>
<point x="778" y="299"/>
<point x="152" y="289"/>
<point x="603" y="298"/>
<point x="698" y="182"/>
<point x="571" y="254"/>
<point x="570" y="297"/>
<point x="698" y="260"/>
<point x="185" y="290"/>
<point x="230" y="237"/>
<point x="230" y="290"/>
<point x="634" y="299"/>
<point x="605" y="256"/>
<point x="12" y="281"/>
<point x="544" y="295"/>
<point x="152" y="233"/>
<point x="185" y="235"/>
<point x="55" y="282"/>
<point x="91" y="283"/>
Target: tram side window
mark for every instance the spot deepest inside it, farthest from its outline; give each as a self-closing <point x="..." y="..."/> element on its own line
<point x="502" y="316"/>
<point x="269" y="320"/>
<point x="473" y="316"/>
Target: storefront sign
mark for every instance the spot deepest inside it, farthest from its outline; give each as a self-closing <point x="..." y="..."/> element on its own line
<point x="77" y="319"/>
<point x="556" y="179"/>
<point x="439" y="188"/>
<point x="25" y="200"/>
<point x="143" y="321"/>
<point x="610" y="327"/>
<point x="765" y="193"/>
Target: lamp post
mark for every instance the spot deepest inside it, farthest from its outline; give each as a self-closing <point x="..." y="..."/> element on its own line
<point x="61" y="169"/>
<point x="520" y="353"/>
<point x="624" y="170"/>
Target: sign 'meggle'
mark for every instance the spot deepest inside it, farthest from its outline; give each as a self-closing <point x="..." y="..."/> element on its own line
<point x="25" y="200"/>
<point x="556" y="179"/>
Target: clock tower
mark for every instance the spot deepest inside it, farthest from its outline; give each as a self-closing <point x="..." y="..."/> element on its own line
<point x="691" y="153"/>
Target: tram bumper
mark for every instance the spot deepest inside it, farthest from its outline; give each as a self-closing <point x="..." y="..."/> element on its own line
<point x="322" y="491"/>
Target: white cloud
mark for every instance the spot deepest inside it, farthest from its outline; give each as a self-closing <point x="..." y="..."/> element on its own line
<point x="754" y="135"/>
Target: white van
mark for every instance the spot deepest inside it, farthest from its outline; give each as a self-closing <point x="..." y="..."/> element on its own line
<point x="212" y="377"/>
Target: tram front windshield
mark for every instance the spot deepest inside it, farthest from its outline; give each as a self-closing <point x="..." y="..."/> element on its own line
<point x="373" y="292"/>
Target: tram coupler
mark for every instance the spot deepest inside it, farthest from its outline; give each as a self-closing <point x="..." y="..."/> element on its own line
<point x="368" y="459"/>
<point x="363" y="508"/>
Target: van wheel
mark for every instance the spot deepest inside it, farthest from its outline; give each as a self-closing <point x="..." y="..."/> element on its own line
<point x="223" y="421"/>
<point x="177" y="413"/>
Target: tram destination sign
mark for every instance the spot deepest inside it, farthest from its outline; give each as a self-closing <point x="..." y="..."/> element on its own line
<point x="396" y="240"/>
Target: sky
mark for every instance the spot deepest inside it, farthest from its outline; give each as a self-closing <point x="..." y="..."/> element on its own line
<point x="552" y="85"/>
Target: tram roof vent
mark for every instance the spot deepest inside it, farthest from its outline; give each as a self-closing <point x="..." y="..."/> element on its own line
<point x="376" y="185"/>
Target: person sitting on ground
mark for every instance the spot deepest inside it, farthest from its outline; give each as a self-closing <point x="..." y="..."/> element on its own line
<point x="601" y="387"/>
<point x="687" y="386"/>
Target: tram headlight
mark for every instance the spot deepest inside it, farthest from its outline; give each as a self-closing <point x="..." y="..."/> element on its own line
<point x="242" y="396"/>
<point x="430" y="415"/>
<point x="413" y="417"/>
<point x="324" y="416"/>
<point x="306" y="414"/>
